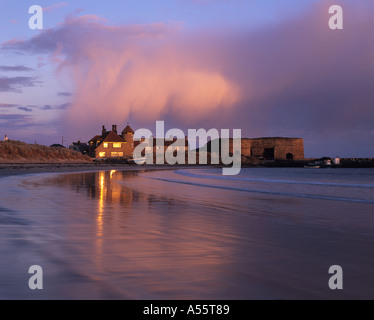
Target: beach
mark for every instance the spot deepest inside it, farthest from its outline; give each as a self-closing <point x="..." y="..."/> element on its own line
<point x="9" y="169"/>
<point x="186" y="233"/>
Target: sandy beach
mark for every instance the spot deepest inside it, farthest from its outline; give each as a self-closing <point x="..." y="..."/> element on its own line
<point x="8" y="169"/>
<point x="117" y="232"/>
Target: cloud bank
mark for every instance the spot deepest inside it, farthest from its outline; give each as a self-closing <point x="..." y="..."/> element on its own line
<point x="15" y="84"/>
<point x="15" y="68"/>
<point x="297" y="78"/>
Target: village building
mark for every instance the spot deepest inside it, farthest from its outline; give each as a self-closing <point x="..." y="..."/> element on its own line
<point x="57" y="145"/>
<point x="274" y="148"/>
<point x="79" y="147"/>
<point x="110" y="144"/>
<point x="269" y="148"/>
<point x="152" y="144"/>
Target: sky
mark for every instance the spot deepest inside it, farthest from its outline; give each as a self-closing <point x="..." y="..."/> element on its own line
<point x="270" y="68"/>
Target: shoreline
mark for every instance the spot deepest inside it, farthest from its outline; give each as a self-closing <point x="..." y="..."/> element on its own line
<point x="12" y="169"/>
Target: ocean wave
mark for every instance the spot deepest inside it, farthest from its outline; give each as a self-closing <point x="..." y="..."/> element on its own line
<point x="257" y="191"/>
<point x="262" y="180"/>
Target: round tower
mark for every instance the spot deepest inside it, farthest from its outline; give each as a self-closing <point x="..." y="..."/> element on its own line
<point x="128" y="135"/>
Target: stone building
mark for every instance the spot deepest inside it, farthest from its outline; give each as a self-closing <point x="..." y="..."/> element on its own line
<point x="110" y="144"/>
<point x="79" y="147"/>
<point x="272" y="148"/>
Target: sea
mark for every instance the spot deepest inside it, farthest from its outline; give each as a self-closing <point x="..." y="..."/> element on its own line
<point x="267" y="233"/>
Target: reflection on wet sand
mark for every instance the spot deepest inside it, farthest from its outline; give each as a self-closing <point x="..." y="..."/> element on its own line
<point x="135" y="235"/>
<point x="102" y="187"/>
<point x="99" y="234"/>
<point x="149" y="244"/>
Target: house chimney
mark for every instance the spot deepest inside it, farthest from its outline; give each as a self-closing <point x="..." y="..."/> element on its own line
<point x="104" y="130"/>
<point x="114" y="128"/>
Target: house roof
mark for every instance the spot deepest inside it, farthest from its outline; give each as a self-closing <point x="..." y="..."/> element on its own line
<point x="128" y="130"/>
<point x="109" y="136"/>
<point x="94" y="139"/>
<point x="113" y="137"/>
<point x="56" y="145"/>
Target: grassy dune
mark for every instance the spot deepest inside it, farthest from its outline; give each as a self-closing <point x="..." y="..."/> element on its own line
<point x="20" y="152"/>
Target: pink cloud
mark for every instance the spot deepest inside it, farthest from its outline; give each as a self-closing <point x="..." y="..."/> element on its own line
<point x="134" y="69"/>
<point x="131" y="80"/>
<point x="297" y="78"/>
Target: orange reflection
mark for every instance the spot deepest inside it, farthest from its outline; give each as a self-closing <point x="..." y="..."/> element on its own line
<point x="101" y="205"/>
<point x="111" y="173"/>
<point x="110" y="194"/>
<point x="99" y="219"/>
<point x="148" y="228"/>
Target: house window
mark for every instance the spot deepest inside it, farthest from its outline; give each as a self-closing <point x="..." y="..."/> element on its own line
<point x="106" y="144"/>
<point x="116" y="154"/>
<point x="117" y="145"/>
<point x="101" y="154"/>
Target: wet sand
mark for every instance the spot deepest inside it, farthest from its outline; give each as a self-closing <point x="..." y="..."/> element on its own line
<point x="140" y="234"/>
<point x="8" y="169"/>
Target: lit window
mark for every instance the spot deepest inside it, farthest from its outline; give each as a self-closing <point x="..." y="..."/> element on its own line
<point x="102" y="154"/>
<point x="117" y="145"/>
<point x="106" y="144"/>
<point x="116" y="154"/>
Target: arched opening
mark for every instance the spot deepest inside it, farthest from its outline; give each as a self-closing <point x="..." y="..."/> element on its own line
<point x="289" y="156"/>
<point x="268" y="154"/>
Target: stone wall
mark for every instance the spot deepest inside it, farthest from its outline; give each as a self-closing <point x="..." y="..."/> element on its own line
<point x="270" y="148"/>
<point x="275" y="148"/>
